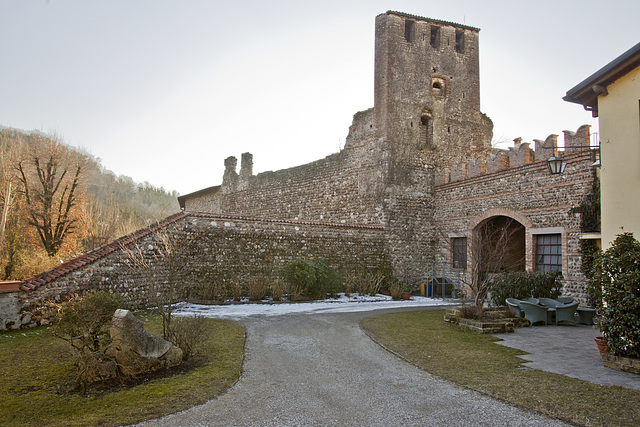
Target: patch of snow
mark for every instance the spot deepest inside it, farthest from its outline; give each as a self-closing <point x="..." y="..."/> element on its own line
<point x="342" y="304"/>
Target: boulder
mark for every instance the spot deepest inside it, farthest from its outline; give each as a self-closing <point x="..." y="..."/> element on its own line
<point x="137" y="351"/>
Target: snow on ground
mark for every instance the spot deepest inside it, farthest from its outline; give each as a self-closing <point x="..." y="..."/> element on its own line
<point x="342" y="304"/>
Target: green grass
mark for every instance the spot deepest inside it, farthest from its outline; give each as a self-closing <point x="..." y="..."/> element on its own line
<point x="35" y="368"/>
<point x="474" y="360"/>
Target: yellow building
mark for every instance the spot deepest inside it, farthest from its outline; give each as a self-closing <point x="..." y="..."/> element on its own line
<point x="613" y="95"/>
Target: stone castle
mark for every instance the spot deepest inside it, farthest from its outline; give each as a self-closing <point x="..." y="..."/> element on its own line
<point x="416" y="178"/>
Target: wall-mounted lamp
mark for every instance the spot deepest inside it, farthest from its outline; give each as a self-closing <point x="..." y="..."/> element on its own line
<point x="556" y="165"/>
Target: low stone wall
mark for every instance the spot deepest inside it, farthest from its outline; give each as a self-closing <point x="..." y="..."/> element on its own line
<point x="625" y="364"/>
<point x="496" y="321"/>
<point x="210" y="248"/>
<point x="10" y="317"/>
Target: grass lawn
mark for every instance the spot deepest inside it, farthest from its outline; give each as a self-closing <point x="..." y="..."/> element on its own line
<point x="473" y="360"/>
<point x="34" y="366"/>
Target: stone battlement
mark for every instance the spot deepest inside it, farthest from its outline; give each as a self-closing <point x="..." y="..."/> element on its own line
<point x="520" y="154"/>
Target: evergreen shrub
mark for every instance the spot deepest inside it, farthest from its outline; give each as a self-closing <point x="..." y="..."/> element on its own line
<point x="617" y="273"/>
<point x="315" y="278"/>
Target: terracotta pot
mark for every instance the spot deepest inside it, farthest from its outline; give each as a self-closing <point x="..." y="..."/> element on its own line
<point x="602" y="345"/>
<point x="387" y="293"/>
<point x="405" y="295"/>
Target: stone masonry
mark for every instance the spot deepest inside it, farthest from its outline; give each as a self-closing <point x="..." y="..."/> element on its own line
<point x="417" y="171"/>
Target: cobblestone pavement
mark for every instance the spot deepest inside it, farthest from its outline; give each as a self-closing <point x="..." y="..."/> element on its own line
<point x="321" y="369"/>
<point x="566" y="350"/>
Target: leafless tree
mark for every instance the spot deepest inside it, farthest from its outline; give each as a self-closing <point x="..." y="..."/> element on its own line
<point x="494" y="247"/>
<point x="162" y="259"/>
<point x="50" y="185"/>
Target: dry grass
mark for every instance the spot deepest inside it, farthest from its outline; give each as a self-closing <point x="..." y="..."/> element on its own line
<point x="36" y="367"/>
<point x="256" y="288"/>
<point x="473" y="360"/>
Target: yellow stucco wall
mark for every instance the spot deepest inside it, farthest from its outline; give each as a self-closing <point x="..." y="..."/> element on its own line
<point x="619" y="119"/>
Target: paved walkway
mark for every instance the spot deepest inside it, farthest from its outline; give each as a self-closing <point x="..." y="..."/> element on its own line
<point x="321" y="369"/>
<point x="566" y="350"/>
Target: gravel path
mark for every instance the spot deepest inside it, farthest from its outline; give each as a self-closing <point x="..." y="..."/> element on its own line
<point x="321" y="369"/>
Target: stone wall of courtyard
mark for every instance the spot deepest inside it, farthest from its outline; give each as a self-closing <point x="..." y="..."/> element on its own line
<point x="211" y="248"/>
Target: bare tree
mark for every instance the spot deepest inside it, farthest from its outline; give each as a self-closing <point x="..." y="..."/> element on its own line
<point x="50" y="185"/>
<point x="162" y="259"/>
<point x="494" y="247"/>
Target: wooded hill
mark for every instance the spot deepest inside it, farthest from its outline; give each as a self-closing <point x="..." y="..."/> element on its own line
<point x="58" y="201"/>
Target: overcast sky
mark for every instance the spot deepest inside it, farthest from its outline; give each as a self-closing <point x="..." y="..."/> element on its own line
<point x="164" y="91"/>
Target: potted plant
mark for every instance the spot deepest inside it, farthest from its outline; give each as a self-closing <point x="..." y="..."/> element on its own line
<point x="399" y="290"/>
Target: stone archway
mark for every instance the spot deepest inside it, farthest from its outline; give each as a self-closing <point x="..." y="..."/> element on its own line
<point x="500" y="245"/>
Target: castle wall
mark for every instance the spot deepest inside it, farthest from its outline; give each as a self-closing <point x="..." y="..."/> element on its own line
<point x="541" y="202"/>
<point x="212" y="248"/>
<point x="343" y="187"/>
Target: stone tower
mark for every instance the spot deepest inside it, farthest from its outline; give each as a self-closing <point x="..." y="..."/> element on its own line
<point x="426" y="115"/>
<point x="427" y="89"/>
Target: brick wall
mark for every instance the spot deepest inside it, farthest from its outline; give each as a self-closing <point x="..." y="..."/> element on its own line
<point x="541" y="202"/>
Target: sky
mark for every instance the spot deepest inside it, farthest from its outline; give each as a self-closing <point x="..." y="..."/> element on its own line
<point x="163" y="91"/>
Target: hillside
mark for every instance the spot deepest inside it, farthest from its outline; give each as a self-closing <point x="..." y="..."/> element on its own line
<point x="38" y="174"/>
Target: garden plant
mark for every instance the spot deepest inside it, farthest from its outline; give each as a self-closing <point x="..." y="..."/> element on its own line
<point x="616" y="272"/>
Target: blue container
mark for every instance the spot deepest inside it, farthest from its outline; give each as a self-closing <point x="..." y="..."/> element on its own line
<point x="426" y="289"/>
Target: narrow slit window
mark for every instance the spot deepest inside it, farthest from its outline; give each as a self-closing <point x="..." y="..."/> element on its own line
<point x="435" y="37"/>
<point x="460" y="41"/>
<point x="426" y="136"/>
<point x="409" y="30"/>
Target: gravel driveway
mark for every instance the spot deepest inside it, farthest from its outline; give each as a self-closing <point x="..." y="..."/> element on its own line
<point x="321" y="369"/>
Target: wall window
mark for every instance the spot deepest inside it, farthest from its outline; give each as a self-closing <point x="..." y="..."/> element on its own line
<point x="459" y="252"/>
<point x="460" y="41"/>
<point x="409" y="30"/>
<point x="435" y="37"/>
<point x="437" y="86"/>
<point x="549" y="252"/>
<point x="426" y="133"/>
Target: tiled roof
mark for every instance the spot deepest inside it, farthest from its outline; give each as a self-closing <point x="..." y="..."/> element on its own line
<point x="95" y="254"/>
<point x="9" y="286"/>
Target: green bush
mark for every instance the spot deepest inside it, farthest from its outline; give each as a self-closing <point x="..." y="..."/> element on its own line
<point x="590" y="266"/>
<point x="617" y="273"/>
<point x="314" y="278"/>
<point x="526" y="284"/>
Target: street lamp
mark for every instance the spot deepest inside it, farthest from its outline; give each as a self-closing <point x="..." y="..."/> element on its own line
<point x="556" y="165"/>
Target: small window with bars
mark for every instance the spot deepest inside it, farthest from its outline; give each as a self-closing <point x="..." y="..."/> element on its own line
<point x="549" y="252"/>
<point x="459" y="252"/>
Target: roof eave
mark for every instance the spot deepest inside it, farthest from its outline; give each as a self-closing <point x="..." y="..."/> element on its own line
<point x="182" y="199"/>
<point x="583" y="92"/>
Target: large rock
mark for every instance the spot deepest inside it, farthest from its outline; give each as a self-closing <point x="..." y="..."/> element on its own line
<point x="137" y="351"/>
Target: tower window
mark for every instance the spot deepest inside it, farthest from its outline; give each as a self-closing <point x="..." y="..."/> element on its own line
<point x="426" y="133"/>
<point x="409" y="30"/>
<point x="437" y="86"/>
<point x="460" y="41"/>
<point x="435" y="37"/>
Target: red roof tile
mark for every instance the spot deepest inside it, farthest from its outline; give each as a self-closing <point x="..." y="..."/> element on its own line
<point x="95" y="254"/>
